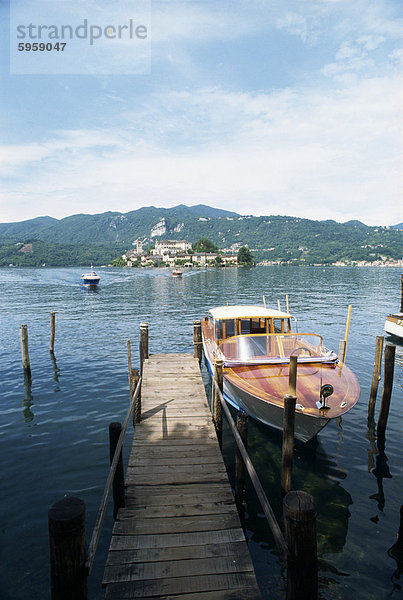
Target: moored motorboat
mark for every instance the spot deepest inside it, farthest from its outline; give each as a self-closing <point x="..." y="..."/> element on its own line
<point x="394" y="324"/>
<point x="90" y="279"/>
<point x="394" y="321"/>
<point x="255" y="344"/>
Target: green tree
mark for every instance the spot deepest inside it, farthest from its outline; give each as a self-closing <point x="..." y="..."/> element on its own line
<point x="203" y="244"/>
<point x="245" y="257"/>
<point x="118" y="262"/>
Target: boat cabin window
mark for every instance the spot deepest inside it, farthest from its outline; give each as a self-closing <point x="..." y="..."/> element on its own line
<point x="281" y="326"/>
<point x="256" y="325"/>
<point x="224" y="328"/>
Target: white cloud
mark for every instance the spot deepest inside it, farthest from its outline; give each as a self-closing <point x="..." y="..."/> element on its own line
<point x="309" y="153"/>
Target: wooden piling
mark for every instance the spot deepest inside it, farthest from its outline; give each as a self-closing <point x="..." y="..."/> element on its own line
<point x="401" y="293"/>
<point x="300" y="530"/>
<point x="292" y="376"/>
<point x="24" y="351"/>
<point x="118" y="480"/>
<point x="288" y="442"/>
<point x="137" y="405"/>
<point x="217" y="407"/>
<point x="52" y="332"/>
<point x="376" y="376"/>
<point x="240" y="469"/>
<point x="197" y="341"/>
<point x="68" y="575"/>
<point x="389" y="366"/>
<point x="347" y="331"/>
<point x="129" y="365"/>
<point x="342" y="350"/>
<point x="143" y="344"/>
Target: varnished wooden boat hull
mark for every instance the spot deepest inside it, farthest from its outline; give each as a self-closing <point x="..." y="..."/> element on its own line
<point x="260" y="390"/>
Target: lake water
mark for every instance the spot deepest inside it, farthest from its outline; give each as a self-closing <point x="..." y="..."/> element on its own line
<point x="54" y="435"/>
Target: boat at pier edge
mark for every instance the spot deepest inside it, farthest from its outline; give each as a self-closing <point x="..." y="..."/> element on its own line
<point x="90" y="279"/>
<point x="255" y="344"/>
<point x="394" y="325"/>
<point x="394" y="321"/>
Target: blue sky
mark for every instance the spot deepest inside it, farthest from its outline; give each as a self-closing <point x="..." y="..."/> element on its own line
<point x="258" y="106"/>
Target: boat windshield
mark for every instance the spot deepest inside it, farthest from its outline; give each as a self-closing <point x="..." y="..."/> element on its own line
<point x="273" y="348"/>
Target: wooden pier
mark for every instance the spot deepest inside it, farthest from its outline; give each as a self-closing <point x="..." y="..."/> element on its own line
<point x="179" y="535"/>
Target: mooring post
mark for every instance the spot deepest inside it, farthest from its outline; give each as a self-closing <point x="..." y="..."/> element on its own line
<point x="389" y="366"/>
<point x="137" y="405"/>
<point x="292" y="376"/>
<point x="68" y="575"/>
<point x="376" y="376"/>
<point x="52" y="332"/>
<point x="288" y="442"/>
<point x="240" y="469"/>
<point x="143" y="344"/>
<point x="197" y="341"/>
<point x="118" y="480"/>
<point x="217" y="407"/>
<point x="24" y="351"/>
<point x="342" y="350"/>
<point x="129" y="365"/>
<point x="300" y="531"/>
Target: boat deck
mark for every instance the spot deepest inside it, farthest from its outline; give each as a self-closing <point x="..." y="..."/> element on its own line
<point x="179" y="535"/>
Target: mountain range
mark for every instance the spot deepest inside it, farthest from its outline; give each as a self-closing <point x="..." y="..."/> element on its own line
<point x="83" y="238"/>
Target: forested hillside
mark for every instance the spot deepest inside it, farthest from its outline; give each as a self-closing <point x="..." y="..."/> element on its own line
<point x="81" y="239"/>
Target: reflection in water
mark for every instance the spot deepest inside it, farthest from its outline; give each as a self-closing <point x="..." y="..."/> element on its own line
<point x="396" y="552"/>
<point x="56" y="372"/>
<point x="316" y="473"/>
<point x="380" y="468"/>
<point x="28" y="401"/>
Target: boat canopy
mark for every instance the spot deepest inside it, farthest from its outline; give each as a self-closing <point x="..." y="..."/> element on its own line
<point x="246" y="312"/>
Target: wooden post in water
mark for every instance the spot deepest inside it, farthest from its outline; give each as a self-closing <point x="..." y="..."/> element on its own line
<point x="401" y="292"/>
<point x="143" y="344"/>
<point x="52" y="332"/>
<point x="137" y="406"/>
<point x="129" y="364"/>
<point x="217" y="407"/>
<point x="389" y="366"/>
<point x="197" y="341"/>
<point x="292" y="376"/>
<point x="118" y="480"/>
<point x="300" y="532"/>
<point x="342" y="350"/>
<point x="376" y="376"/>
<point x="240" y="469"/>
<point x="24" y="351"/>
<point x="346" y="333"/>
<point x="68" y="575"/>
<point x="288" y="443"/>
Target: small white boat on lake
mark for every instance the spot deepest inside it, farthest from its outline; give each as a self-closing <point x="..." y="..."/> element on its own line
<point x="90" y="279"/>
<point x="177" y="273"/>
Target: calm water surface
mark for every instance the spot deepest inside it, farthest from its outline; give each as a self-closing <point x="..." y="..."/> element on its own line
<point x="54" y="435"/>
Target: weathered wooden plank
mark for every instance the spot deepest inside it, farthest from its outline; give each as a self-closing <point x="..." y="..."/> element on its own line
<point x="181" y="585"/>
<point x="172" y="499"/>
<point x="176" y="524"/>
<point x="167" y="540"/>
<point x="159" y="461"/>
<point x="144" y="555"/>
<point x="179" y="467"/>
<point x="176" y="568"/>
<point x="178" y="510"/>
<point x="246" y="593"/>
<point x="149" y="491"/>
